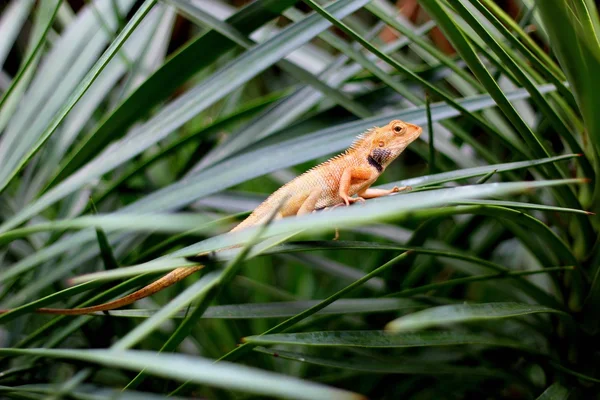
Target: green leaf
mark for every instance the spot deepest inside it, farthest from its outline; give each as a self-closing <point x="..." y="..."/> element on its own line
<point x="554" y="118"/>
<point x="293" y="69"/>
<point x="108" y="256"/>
<point x="465" y="49"/>
<point x="454" y="313"/>
<point x="381" y="339"/>
<point x="128" y="63"/>
<point x="42" y="24"/>
<point x="198" y="370"/>
<point x="555" y="392"/>
<point x="286" y="309"/>
<point x="481" y="278"/>
<point x="11" y="22"/>
<point x="381" y="366"/>
<point x="214" y="88"/>
<point x="575" y="44"/>
<point x="245" y="166"/>
<point x="195" y="56"/>
<point x="381" y="209"/>
<point x="197" y="290"/>
<point x="167" y="223"/>
<point x="526" y="206"/>
<point x="184" y="329"/>
<point x="18" y="159"/>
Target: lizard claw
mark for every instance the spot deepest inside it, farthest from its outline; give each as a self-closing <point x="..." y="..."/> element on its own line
<point x="337" y="234"/>
<point x="351" y="200"/>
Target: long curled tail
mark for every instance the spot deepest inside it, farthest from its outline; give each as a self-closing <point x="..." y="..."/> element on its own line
<point x="169" y="279"/>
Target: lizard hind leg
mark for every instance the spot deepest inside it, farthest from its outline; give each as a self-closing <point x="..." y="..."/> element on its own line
<point x="309" y="204"/>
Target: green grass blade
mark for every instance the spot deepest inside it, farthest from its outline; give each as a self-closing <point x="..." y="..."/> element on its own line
<point x="228" y="78"/>
<point x="471" y="279"/>
<point x="534" y="54"/>
<point x="42" y="25"/>
<point x="527" y="206"/>
<point x="379" y="366"/>
<point x="33" y="55"/>
<point x="458" y="40"/>
<point x="224" y="279"/>
<point x="61" y="71"/>
<point x="13" y="170"/>
<point x="197" y="290"/>
<point x="180" y="67"/>
<point x="553" y="116"/>
<point x="433" y="89"/>
<point x="555" y="392"/>
<point x="578" y="55"/>
<point x="287" y="309"/>
<point x="443" y="315"/>
<point x="387" y="208"/>
<point x="295" y="70"/>
<point x="380" y="13"/>
<point x="60" y="247"/>
<point x="13" y="17"/>
<point x="295" y="106"/>
<point x="381" y="339"/>
<point x="134" y="50"/>
<point x="246" y="166"/>
<point x="468" y="54"/>
<point x="199" y="370"/>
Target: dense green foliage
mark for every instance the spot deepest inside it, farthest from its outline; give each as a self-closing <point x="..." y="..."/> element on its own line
<point x="134" y="134"/>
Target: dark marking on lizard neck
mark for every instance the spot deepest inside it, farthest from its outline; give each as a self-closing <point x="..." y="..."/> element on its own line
<point x="374" y="163"/>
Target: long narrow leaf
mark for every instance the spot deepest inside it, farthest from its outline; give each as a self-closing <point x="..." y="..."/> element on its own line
<point x="198" y="370"/>
<point x="463" y="313"/>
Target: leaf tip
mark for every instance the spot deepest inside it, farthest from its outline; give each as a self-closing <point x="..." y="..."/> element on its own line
<point x="391" y="326"/>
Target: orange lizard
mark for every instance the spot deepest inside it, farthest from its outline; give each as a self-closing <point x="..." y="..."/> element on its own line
<point x="330" y="184"/>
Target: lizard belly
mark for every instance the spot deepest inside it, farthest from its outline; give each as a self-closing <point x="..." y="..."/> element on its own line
<point x="331" y="196"/>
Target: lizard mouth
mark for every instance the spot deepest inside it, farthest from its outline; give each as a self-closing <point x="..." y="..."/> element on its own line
<point x="414" y="131"/>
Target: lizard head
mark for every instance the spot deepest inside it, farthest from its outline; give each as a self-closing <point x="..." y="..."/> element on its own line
<point x="389" y="141"/>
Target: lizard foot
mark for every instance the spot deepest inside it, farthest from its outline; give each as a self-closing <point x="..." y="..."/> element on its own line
<point x="350" y="200"/>
<point x="397" y="189"/>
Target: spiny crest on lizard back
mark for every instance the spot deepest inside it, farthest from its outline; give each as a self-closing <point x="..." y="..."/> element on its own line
<point x="356" y="144"/>
<point x="361" y="139"/>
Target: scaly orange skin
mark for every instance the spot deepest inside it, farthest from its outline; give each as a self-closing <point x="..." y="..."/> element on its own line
<point x="329" y="184"/>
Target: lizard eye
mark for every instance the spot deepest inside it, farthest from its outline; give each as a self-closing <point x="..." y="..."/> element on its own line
<point x="398" y="128"/>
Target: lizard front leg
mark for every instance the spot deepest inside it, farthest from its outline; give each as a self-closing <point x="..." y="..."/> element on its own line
<point x="349" y="176"/>
<point x="369" y="193"/>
